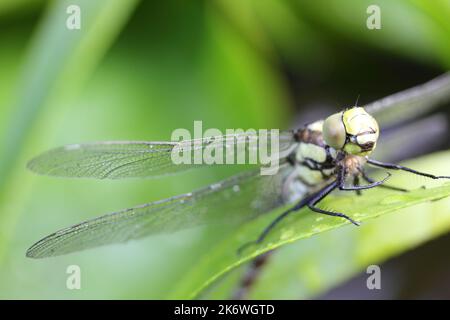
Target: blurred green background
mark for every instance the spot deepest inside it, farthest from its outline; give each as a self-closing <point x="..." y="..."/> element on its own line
<point x="137" y="70"/>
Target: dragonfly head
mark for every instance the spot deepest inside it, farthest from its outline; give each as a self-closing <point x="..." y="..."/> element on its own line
<point x="352" y="130"/>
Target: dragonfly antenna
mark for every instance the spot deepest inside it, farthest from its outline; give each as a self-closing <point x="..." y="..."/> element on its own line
<point x="357" y="99"/>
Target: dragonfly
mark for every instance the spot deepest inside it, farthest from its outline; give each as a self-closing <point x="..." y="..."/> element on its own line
<point x="314" y="160"/>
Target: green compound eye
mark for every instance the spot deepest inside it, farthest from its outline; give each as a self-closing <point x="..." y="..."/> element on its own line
<point x="353" y="130"/>
<point x="334" y="131"/>
<point x="362" y="130"/>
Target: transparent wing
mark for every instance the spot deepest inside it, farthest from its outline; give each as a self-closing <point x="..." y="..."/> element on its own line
<point x="239" y="198"/>
<point x="123" y="159"/>
<point x="411" y="103"/>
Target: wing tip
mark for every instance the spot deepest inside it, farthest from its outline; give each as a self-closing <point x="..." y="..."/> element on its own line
<point x="37" y="163"/>
<point x="37" y="251"/>
<point x="31" y="165"/>
<point x="41" y="249"/>
<point x="44" y="163"/>
<point x="34" y="253"/>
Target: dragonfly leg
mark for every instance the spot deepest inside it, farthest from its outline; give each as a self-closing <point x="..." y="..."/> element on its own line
<point x="399" y="167"/>
<point x="341" y="178"/>
<point x="267" y="229"/>
<point x="334" y="214"/>
<point x="386" y="186"/>
<point x="317" y="197"/>
<point x="310" y="201"/>
<point x="356" y="184"/>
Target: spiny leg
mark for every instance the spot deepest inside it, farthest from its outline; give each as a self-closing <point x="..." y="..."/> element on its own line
<point x="313" y="198"/>
<point x="394" y="166"/>
<point x="270" y="227"/>
<point x="356" y="184"/>
<point x="332" y="213"/>
<point x="386" y="186"/>
<point x="318" y="196"/>
<point x="310" y="202"/>
<point x="374" y="184"/>
<point x="340" y="183"/>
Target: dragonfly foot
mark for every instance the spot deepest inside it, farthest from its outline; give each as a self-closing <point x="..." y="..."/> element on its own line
<point x="334" y="214"/>
<point x="385" y="186"/>
<point x="394" y="166"/>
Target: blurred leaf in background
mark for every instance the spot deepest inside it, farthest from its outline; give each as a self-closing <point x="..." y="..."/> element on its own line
<point x="139" y="70"/>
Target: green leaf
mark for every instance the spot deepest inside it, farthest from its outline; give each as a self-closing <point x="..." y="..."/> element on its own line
<point x="374" y="203"/>
<point x="308" y="268"/>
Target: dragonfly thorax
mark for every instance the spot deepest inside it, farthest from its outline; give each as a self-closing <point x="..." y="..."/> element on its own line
<point x="317" y="162"/>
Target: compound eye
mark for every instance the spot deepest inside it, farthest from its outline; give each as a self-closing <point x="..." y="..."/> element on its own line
<point x="334" y="131"/>
<point x="362" y="130"/>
